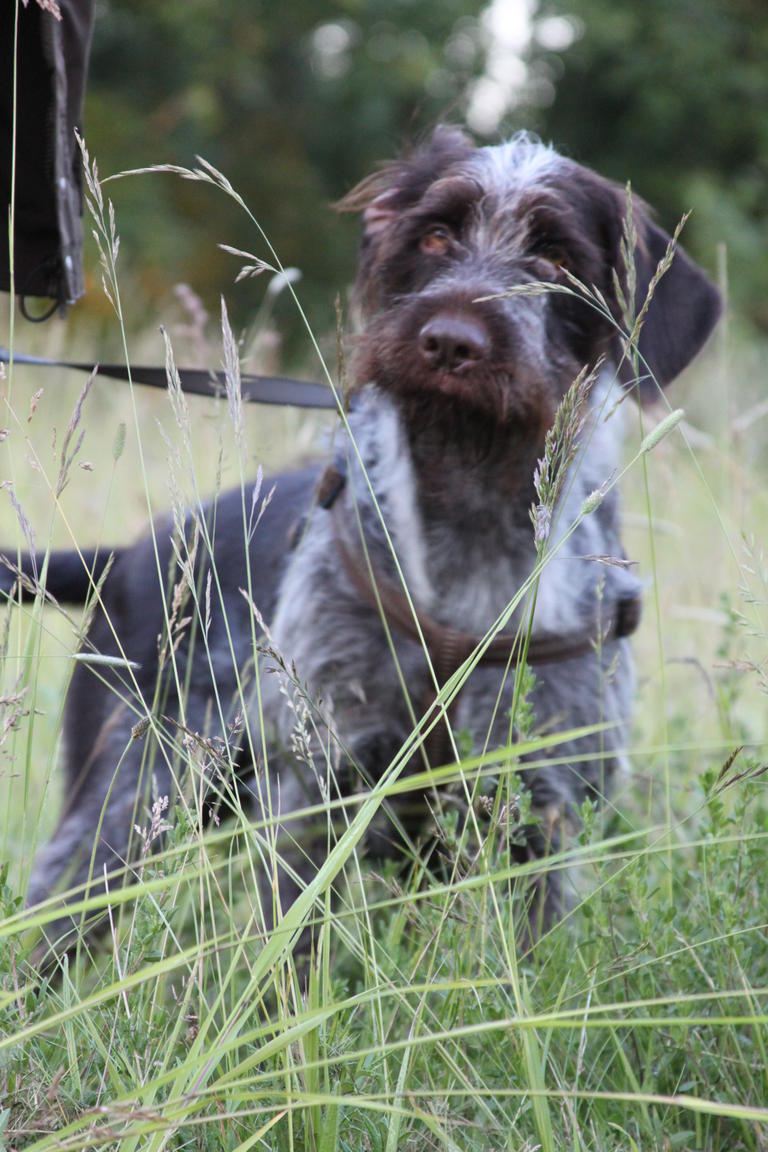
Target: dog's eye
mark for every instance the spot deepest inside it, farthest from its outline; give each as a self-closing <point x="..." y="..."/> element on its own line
<point x="436" y="240"/>
<point x="552" y="255"/>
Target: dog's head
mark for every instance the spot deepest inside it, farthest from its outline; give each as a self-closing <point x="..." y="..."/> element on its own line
<point x="452" y="234"/>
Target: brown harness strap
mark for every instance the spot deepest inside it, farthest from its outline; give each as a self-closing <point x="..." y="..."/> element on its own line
<point x="448" y="648"/>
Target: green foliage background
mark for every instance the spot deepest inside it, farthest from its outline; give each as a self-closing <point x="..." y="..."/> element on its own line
<point x="295" y="102"/>
<point x="245" y="86"/>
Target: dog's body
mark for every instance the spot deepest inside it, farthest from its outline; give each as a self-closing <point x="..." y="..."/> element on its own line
<point x="459" y="385"/>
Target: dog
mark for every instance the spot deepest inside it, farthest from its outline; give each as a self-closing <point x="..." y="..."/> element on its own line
<point x="490" y="279"/>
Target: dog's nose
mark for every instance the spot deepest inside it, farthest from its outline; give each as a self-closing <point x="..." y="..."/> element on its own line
<point x="452" y="341"/>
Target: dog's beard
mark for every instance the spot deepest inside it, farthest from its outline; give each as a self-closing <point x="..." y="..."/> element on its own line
<point x="496" y="392"/>
<point x="501" y="384"/>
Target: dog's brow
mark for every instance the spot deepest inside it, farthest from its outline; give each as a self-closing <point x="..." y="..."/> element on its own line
<point x="449" y="195"/>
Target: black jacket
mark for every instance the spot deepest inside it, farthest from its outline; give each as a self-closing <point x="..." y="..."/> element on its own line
<point x="50" y="73"/>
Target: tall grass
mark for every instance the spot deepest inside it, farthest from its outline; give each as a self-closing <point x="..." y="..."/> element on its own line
<point x="417" y="1020"/>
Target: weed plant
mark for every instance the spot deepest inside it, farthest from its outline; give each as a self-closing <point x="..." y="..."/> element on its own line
<point x="418" y="1019"/>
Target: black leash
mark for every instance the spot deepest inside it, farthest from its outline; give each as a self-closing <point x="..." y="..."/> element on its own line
<point x="198" y="382"/>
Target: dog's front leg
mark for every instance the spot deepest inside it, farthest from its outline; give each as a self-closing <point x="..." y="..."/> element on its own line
<point x="326" y="746"/>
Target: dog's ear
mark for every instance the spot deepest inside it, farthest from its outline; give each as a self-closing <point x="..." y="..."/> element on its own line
<point x="683" y="310"/>
<point x="398" y="184"/>
<point x="684" y="306"/>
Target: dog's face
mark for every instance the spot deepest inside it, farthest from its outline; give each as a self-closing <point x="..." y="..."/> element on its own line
<point x="453" y="234"/>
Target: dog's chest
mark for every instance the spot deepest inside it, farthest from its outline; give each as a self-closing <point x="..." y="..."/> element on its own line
<point x="473" y="577"/>
<point x="461" y="549"/>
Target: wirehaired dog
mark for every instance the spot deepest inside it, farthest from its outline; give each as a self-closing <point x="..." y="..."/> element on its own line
<point x="473" y="330"/>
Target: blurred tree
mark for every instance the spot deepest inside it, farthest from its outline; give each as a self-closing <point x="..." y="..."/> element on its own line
<point x="295" y="102"/>
<point x="292" y="104"/>
<point x="672" y="94"/>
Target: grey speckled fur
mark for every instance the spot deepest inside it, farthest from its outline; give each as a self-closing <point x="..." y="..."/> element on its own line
<point x="448" y="442"/>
